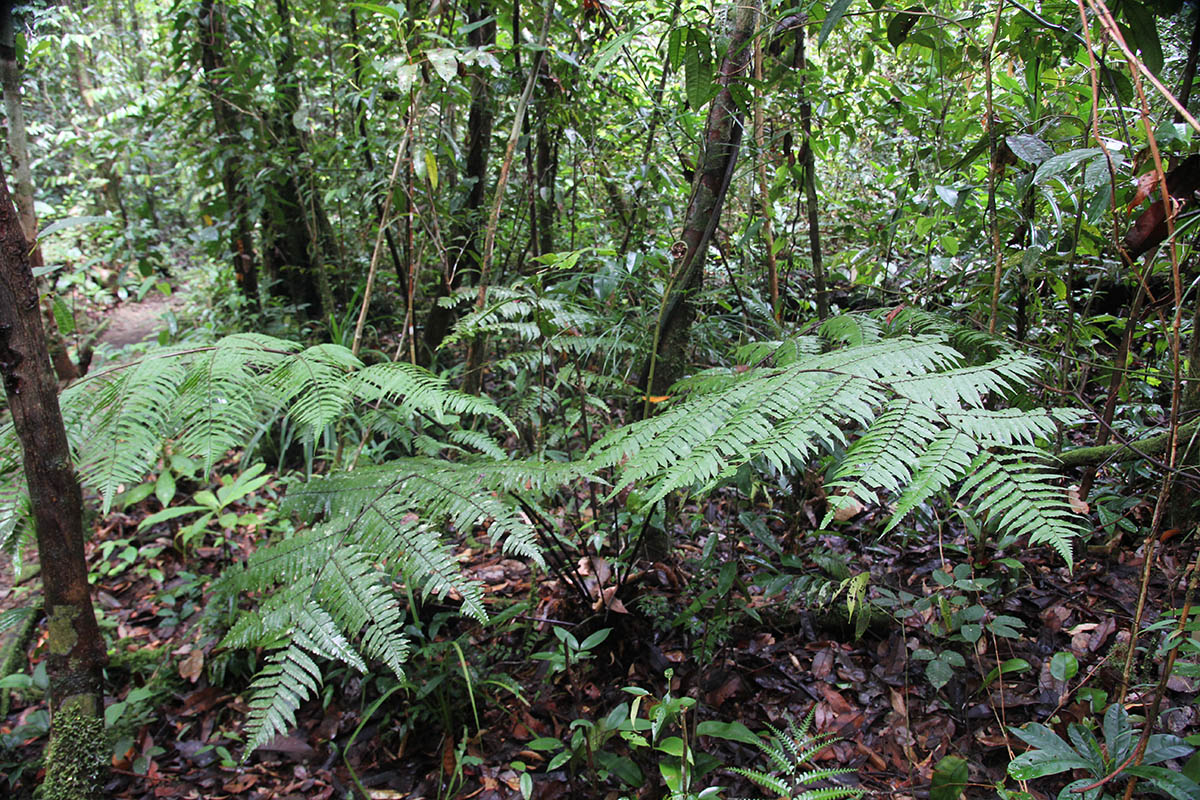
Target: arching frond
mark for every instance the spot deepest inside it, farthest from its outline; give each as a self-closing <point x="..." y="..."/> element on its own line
<point x="911" y="417"/>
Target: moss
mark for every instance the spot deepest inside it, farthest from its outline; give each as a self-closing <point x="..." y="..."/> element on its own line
<point x="62" y="629"/>
<point x="78" y="753"/>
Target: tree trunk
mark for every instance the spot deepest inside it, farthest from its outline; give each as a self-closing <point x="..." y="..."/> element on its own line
<point x="547" y="167"/>
<point x="18" y="151"/>
<point x="78" y="751"/>
<point x="722" y="138"/>
<point x="298" y="258"/>
<point x="809" y="162"/>
<point x="227" y="124"/>
<point x="464" y="235"/>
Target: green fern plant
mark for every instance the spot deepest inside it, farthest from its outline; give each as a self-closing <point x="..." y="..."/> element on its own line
<point x="905" y="416"/>
<point x="326" y="593"/>
<point x="790" y="753"/>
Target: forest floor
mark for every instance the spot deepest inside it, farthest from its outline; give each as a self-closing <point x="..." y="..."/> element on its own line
<point x="481" y="704"/>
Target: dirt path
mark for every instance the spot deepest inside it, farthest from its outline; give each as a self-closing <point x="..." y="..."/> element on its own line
<point x="132" y="322"/>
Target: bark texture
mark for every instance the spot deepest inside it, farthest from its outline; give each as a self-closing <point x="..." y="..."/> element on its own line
<point x="464" y="238"/>
<point x="227" y="123"/>
<point x="722" y="138"/>
<point x="75" y="649"/>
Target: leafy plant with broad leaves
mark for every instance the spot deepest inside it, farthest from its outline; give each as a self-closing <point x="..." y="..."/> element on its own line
<point x="1050" y="755"/>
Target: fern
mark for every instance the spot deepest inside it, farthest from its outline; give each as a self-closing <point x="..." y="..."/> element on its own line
<point x="209" y="400"/>
<point x="911" y="416"/>
<point x="329" y="590"/>
<point x="789" y="753"/>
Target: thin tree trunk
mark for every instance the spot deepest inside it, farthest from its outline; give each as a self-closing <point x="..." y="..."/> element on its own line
<point x="546" y="164"/>
<point x="760" y="139"/>
<point x="473" y="379"/>
<point x="809" y="162"/>
<point x="227" y="124"/>
<point x="465" y="232"/>
<point x="18" y="151"/>
<point x="78" y="751"/>
<point x="722" y="138"/>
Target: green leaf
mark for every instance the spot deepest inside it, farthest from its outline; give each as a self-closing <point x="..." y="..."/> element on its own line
<point x="1056" y="165"/>
<point x="697" y="69"/>
<point x="63" y="317"/>
<point x="832" y="17"/>
<point x="169" y="513"/>
<point x="1172" y="783"/>
<point x="950" y="776"/>
<point x="545" y="743"/>
<point x="1029" y="148"/>
<point x="1051" y="757"/>
<point x="606" y="54"/>
<point x="732" y="731"/>
<point x="71" y="222"/>
<point x="948" y="195"/>
<point x="164" y="487"/>
<point x="1011" y="665"/>
<point x="1063" y="666"/>
<point x="938" y="672"/>
<point x="445" y="62"/>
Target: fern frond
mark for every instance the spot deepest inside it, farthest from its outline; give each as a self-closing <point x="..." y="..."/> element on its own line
<point x="851" y="329"/>
<point x="882" y="457"/>
<point x="911" y="415"/>
<point x="416" y="389"/>
<point x="966" y="339"/>
<point x="124" y="442"/>
<point x="968" y="386"/>
<point x="1016" y="494"/>
<point x="220" y="401"/>
<point x="946" y="460"/>
<point x="289" y="678"/>
<point x="364" y="605"/>
<point x="789" y="753"/>
<point x="314" y="384"/>
<point x="462" y="494"/>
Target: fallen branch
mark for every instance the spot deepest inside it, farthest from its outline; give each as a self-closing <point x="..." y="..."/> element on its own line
<point x="1124" y="451"/>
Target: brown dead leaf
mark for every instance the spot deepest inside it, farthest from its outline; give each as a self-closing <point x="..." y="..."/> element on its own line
<point x="836" y="702"/>
<point x="606" y="600"/>
<point x="192" y="666"/>
<point x="846" y="507"/>
<point x="1146" y="185"/>
<point x="822" y="665"/>
<point x="1078" y="504"/>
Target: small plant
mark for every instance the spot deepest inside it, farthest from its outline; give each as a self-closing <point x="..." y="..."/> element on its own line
<point x="790" y="752"/>
<point x="570" y="650"/>
<point x="213" y="506"/>
<point x="1107" y="765"/>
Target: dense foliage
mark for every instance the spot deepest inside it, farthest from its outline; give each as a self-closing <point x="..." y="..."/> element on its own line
<point x="591" y="288"/>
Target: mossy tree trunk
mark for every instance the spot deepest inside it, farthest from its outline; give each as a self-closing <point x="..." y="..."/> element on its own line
<point x="78" y="749"/>
<point x="722" y="138"/>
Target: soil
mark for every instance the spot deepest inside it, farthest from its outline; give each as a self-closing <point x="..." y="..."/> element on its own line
<point x="135" y="322"/>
